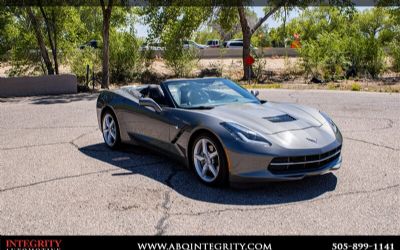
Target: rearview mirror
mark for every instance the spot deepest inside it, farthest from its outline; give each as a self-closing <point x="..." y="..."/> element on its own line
<point x="255" y="92"/>
<point x="148" y="102"/>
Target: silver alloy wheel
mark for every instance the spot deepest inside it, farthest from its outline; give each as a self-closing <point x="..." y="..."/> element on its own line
<point x="109" y="130"/>
<point x="206" y="160"/>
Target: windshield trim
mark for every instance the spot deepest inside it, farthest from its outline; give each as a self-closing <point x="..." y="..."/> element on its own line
<point x="166" y="83"/>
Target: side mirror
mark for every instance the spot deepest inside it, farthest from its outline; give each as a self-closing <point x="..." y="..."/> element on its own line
<point x="148" y="102"/>
<point x="255" y="92"/>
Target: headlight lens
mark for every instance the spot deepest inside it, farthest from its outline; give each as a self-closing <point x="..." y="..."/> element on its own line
<point x="244" y="134"/>
<point x="333" y="125"/>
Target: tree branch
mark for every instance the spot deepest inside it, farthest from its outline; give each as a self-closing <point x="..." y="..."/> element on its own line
<point x="103" y="7"/>
<point x="262" y="20"/>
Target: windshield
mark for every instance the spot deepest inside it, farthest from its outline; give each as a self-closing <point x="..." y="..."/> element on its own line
<point x="202" y="93"/>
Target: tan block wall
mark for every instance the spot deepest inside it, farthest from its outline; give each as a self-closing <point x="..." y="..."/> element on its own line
<point x="38" y="85"/>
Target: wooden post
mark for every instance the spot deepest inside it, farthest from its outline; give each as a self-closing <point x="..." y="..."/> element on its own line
<point x="87" y="75"/>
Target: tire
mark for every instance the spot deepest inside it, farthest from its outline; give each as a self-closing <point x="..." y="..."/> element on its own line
<point x="211" y="167"/>
<point x="110" y="130"/>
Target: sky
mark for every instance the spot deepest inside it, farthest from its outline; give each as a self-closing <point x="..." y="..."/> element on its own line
<point x="141" y="30"/>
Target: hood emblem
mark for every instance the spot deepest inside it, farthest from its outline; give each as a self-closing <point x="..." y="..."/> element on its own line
<point x="311" y="140"/>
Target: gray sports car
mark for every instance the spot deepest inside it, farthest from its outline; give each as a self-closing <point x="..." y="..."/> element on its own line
<point x="221" y="130"/>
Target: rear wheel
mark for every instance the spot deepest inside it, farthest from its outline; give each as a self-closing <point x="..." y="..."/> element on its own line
<point x="110" y="130"/>
<point x="209" y="161"/>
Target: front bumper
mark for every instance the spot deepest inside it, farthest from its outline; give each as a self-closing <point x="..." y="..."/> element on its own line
<point x="266" y="176"/>
<point x="252" y="168"/>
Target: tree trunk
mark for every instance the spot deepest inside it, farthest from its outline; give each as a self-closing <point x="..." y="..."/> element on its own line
<point x="247" y="69"/>
<point x="39" y="38"/>
<point x="55" y="56"/>
<point x="248" y="33"/>
<point x="106" y="50"/>
<point x="50" y="28"/>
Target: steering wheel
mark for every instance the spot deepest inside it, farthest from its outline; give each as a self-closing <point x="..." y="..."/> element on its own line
<point x="198" y="96"/>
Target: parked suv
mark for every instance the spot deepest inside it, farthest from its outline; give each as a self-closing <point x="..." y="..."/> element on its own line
<point x="234" y="44"/>
<point x="213" y="43"/>
<point x="191" y="44"/>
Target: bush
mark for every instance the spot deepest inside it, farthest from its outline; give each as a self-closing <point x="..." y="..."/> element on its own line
<point x="180" y="60"/>
<point x="334" y="56"/>
<point x="324" y="58"/>
<point x="124" y="56"/>
<point x="395" y="54"/>
<point x="373" y="57"/>
<point x="79" y="60"/>
<point x="355" y="87"/>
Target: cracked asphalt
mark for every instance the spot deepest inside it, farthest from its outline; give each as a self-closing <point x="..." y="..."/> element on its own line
<point x="57" y="177"/>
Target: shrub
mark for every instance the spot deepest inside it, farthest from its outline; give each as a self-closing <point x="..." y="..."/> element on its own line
<point x="373" y="57"/>
<point x="324" y="58"/>
<point x="124" y="56"/>
<point x="395" y="54"/>
<point x="332" y="86"/>
<point x="334" y="56"/>
<point x="180" y="60"/>
<point x="259" y="67"/>
<point x="355" y="87"/>
<point x="80" y="58"/>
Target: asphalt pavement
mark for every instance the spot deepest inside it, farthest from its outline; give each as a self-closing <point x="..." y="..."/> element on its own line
<point x="58" y="177"/>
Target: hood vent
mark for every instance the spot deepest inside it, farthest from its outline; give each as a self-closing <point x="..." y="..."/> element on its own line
<point x="280" y="118"/>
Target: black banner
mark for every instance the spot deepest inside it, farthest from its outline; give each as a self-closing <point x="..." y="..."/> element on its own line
<point x="199" y="242"/>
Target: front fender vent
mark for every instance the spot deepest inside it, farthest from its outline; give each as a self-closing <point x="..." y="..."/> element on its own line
<point x="280" y="118"/>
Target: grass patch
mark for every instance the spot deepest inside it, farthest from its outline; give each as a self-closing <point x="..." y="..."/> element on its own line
<point x="332" y="86"/>
<point x="355" y="87"/>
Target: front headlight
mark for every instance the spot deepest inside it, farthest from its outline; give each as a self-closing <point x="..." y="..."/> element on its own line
<point x="333" y="125"/>
<point x="244" y="134"/>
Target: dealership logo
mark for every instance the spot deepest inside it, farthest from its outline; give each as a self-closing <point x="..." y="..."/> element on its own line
<point x="25" y="244"/>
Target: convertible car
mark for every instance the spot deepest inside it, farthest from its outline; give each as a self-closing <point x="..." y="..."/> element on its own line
<point x="222" y="131"/>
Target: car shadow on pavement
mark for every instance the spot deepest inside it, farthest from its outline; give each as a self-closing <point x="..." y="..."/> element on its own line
<point x="141" y="161"/>
<point x="56" y="99"/>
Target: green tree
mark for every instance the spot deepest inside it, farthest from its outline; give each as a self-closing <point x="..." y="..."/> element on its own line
<point x="339" y="43"/>
<point x="6" y="23"/>
<point x="39" y="37"/>
<point x="173" y="25"/>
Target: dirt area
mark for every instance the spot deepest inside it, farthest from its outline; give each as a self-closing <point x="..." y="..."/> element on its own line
<point x="280" y="72"/>
<point x="276" y="72"/>
<point x="3" y="69"/>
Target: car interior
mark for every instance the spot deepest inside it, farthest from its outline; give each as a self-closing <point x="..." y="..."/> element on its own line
<point x="156" y="93"/>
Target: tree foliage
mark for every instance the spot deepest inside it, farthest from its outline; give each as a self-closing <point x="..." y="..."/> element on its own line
<point x="338" y="43"/>
<point x="173" y="25"/>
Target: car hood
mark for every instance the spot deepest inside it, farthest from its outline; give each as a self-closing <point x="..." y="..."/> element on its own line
<point x="307" y="130"/>
<point x="269" y="118"/>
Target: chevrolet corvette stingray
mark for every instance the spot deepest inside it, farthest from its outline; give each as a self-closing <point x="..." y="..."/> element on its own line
<point x="222" y="131"/>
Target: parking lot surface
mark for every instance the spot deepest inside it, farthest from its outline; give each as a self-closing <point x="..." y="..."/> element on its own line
<point x="57" y="177"/>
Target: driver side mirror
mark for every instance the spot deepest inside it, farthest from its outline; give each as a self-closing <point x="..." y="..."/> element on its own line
<point x="255" y="92"/>
<point x="148" y="102"/>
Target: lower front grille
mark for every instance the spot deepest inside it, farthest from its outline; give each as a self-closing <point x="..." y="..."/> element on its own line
<point x="294" y="164"/>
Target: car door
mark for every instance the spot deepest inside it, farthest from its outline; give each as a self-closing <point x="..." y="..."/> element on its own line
<point x="151" y="127"/>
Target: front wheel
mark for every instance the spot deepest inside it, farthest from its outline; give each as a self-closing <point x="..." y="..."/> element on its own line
<point x="110" y="130"/>
<point x="209" y="161"/>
